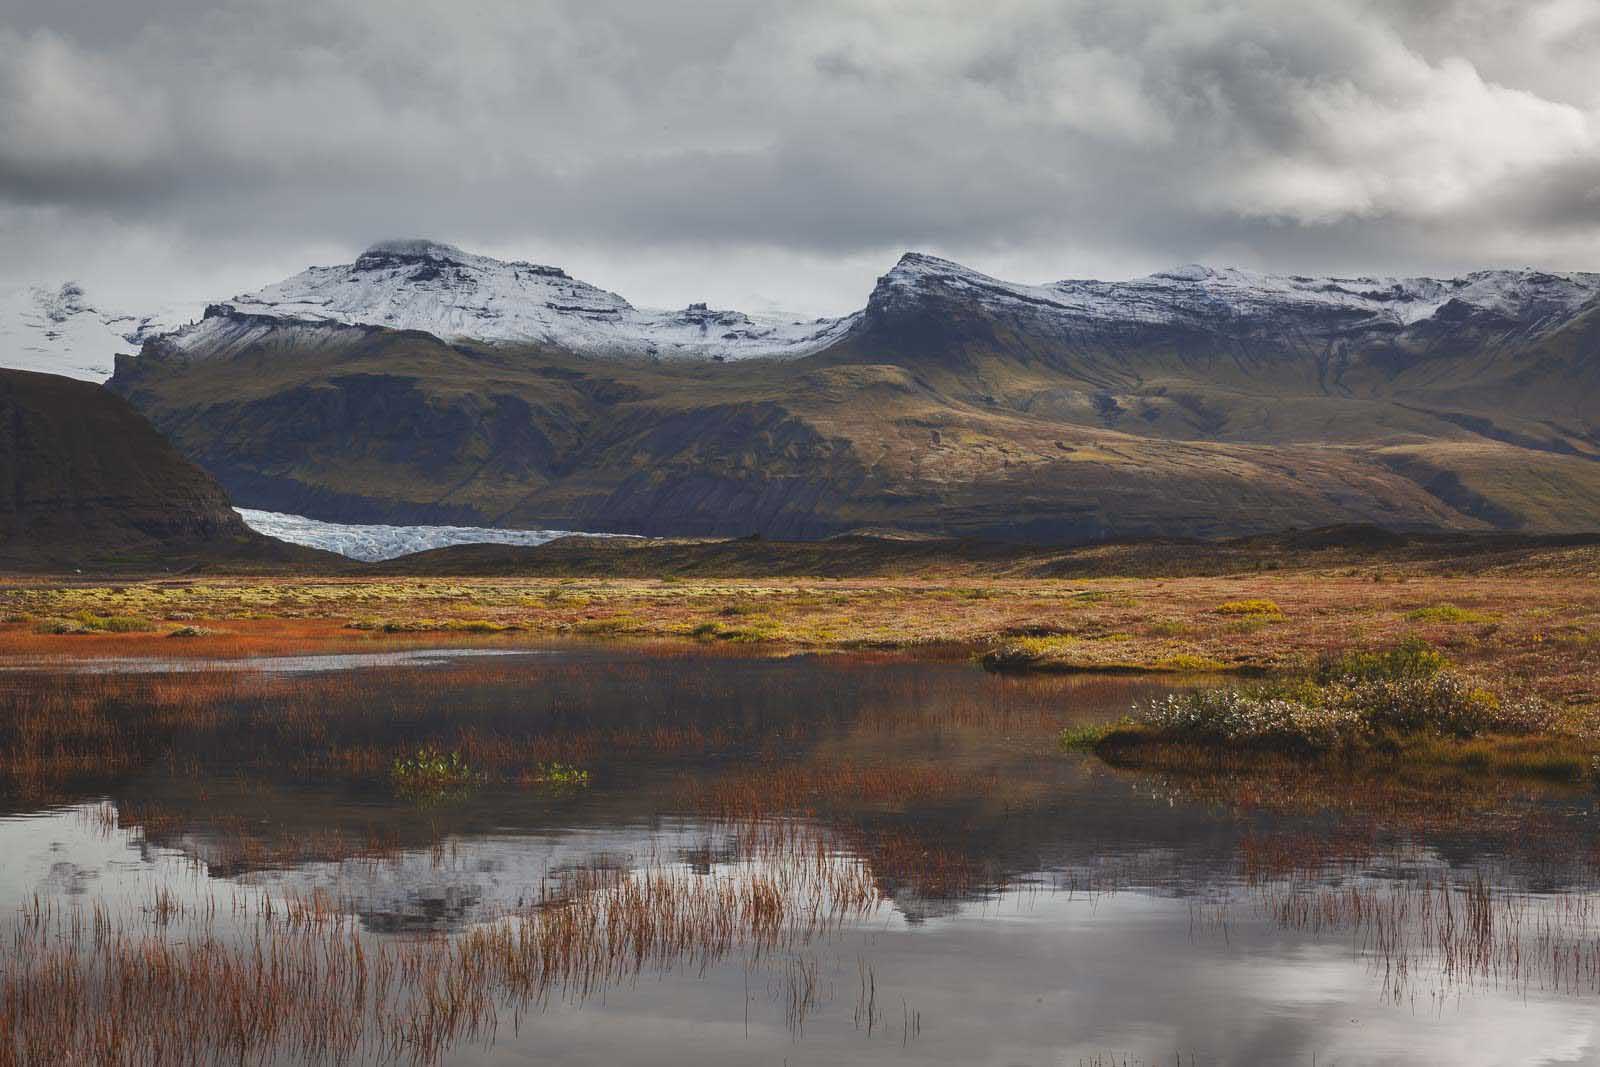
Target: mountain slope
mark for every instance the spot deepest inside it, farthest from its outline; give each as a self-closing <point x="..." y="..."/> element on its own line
<point x="88" y="482"/>
<point x="1196" y="402"/>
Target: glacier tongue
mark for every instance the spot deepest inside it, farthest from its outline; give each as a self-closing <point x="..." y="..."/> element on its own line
<point x="371" y="543"/>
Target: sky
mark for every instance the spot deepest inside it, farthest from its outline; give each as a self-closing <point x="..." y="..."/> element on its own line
<point x="783" y="153"/>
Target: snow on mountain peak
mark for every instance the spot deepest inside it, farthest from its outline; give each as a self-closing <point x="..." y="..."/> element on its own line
<point x="1200" y="295"/>
<point x="56" y="329"/>
<point x="417" y="284"/>
<point x="427" y="285"/>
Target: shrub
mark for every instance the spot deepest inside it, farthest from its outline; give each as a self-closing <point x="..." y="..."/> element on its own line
<point x="1351" y="700"/>
<point x="127" y="624"/>
<point x="1188" y="661"/>
<point x="1168" y="628"/>
<point x="1412" y="658"/>
<point x="59" y="626"/>
<point x="476" y="626"/>
<point x="1249" y="608"/>
<point x="1442" y="703"/>
<point x="1236" y="716"/>
<point x="1447" y="613"/>
<point x="192" y="631"/>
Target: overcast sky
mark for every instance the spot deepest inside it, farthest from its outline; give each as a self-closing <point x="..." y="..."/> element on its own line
<point x="741" y="151"/>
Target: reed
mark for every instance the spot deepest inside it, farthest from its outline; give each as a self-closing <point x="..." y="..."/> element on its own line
<point x="296" y="978"/>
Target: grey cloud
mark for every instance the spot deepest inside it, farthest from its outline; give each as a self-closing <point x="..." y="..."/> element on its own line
<point x="1435" y="135"/>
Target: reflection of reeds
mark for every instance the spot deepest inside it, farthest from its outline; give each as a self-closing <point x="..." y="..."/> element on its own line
<point x="1422" y="921"/>
<point x="294" y="977"/>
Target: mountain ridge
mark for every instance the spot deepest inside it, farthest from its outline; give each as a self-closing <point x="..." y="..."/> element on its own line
<point x="1195" y="402"/>
<point x="459" y="296"/>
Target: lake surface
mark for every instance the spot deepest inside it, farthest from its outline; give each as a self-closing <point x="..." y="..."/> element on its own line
<point x="673" y="858"/>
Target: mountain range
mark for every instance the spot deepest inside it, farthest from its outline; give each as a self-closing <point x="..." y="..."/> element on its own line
<point x="421" y="383"/>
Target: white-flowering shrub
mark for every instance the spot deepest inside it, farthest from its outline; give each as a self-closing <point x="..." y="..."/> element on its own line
<point x="1320" y="717"/>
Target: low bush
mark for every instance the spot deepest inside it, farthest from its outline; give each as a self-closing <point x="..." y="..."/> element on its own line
<point x="1411" y="658"/>
<point x="126" y="624"/>
<point x="1360" y="700"/>
<point x="1447" y="613"/>
<point x="192" y="631"/>
<point x="1258" y="608"/>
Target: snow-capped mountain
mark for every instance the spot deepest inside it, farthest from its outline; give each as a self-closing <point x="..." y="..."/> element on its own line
<point x="58" y="330"/>
<point x="1196" y="401"/>
<point x="461" y="297"/>
<point x="457" y="296"/>
<point x="1239" y="299"/>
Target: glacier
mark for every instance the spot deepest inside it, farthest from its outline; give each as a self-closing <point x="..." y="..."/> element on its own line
<point x="58" y="329"/>
<point x="372" y="543"/>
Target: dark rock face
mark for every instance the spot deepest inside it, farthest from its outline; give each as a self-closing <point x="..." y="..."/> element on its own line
<point x="84" y="477"/>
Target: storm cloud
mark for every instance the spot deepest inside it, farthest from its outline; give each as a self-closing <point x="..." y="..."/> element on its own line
<point x="730" y="149"/>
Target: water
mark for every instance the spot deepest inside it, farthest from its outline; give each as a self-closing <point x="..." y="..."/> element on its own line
<point x="313" y="663"/>
<point x="844" y="860"/>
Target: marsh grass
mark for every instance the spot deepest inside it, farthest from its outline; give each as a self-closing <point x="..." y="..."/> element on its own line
<point x="1543" y="625"/>
<point x="1438" y="928"/>
<point x="556" y="775"/>
<point x="295" y="978"/>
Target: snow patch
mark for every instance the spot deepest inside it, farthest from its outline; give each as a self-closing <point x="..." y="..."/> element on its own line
<point x="371" y="543"/>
